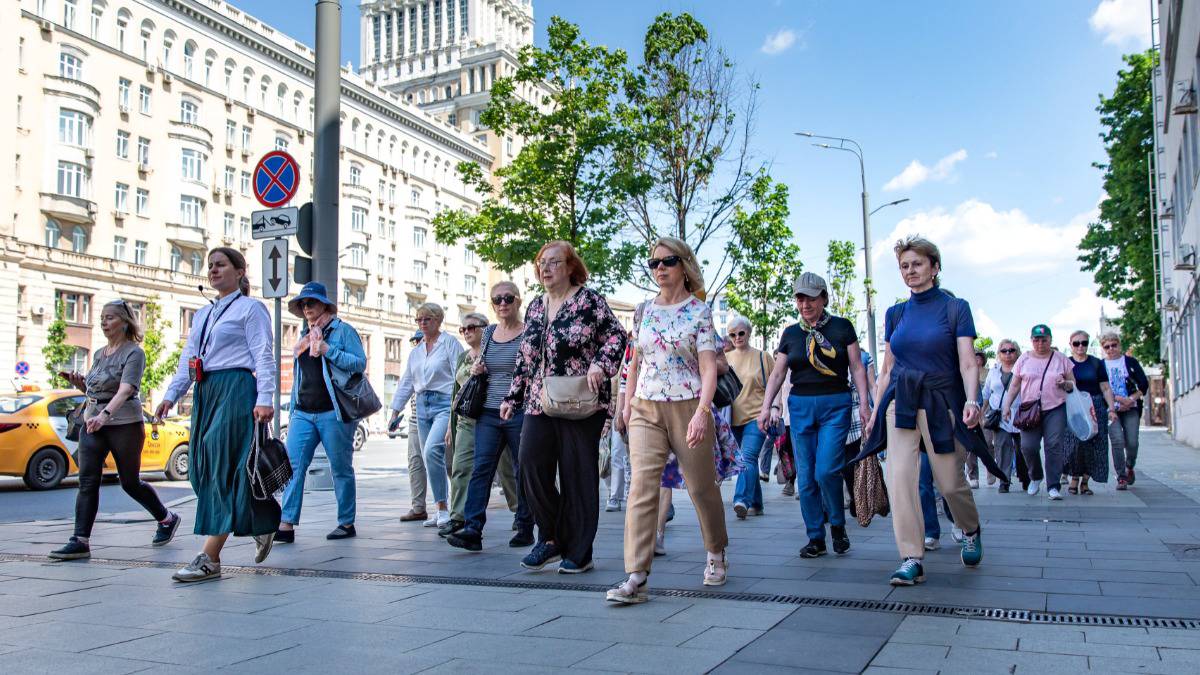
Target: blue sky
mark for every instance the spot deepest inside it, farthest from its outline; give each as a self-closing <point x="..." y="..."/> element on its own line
<point x="983" y="114"/>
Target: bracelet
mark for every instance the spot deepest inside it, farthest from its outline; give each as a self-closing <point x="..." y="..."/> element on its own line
<point x="106" y="412"/>
<point x="973" y="403"/>
<point x="703" y="408"/>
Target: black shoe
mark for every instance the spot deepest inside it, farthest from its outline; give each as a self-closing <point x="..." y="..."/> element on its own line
<point x="516" y="526"/>
<point x="285" y="536"/>
<point x="1003" y="489"/>
<point x="466" y="539"/>
<point x="814" y="549"/>
<point x="841" y="542"/>
<point x="451" y="527"/>
<point x="339" y="532"/>
<point x="543" y="554"/>
<point x="670" y="513"/>
<point x="166" y="531"/>
<point x="568" y="567"/>
<point x="74" y="550"/>
<point x="521" y="539"/>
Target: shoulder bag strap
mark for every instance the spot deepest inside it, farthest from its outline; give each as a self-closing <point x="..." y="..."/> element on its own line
<point x="1043" y="382"/>
<point x="763" y="368"/>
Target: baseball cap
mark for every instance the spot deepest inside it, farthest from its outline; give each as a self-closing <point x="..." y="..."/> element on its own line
<point x="1040" y="330"/>
<point x="809" y="284"/>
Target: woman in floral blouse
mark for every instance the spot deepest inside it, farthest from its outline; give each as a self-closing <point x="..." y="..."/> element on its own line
<point x="572" y="327"/>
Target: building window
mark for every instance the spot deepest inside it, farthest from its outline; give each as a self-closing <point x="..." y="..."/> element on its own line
<point x="74" y="127"/>
<point x="119" y="248"/>
<point x="143" y="151"/>
<point x="246" y="138"/>
<point x="97" y="16"/>
<point x="228" y="225"/>
<point x="191" y="211"/>
<point x="121" y="198"/>
<point x="70" y="179"/>
<point x="419" y="237"/>
<point x="53" y="232"/>
<point x="355" y="174"/>
<point x="186" y="317"/>
<point x="122" y="28"/>
<point x="230" y="132"/>
<point x="176" y="258"/>
<point x="469" y="285"/>
<point x="144" y="99"/>
<point x="192" y="165"/>
<point x="245" y="187"/>
<point x="123" y="87"/>
<point x="462" y="13"/>
<point x="168" y="46"/>
<point x="281" y="143"/>
<point x="424" y="26"/>
<point x="123" y="144"/>
<point x="358" y="218"/>
<point x="189" y="60"/>
<point x="79" y="239"/>
<point x="139" y="252"/>
<point x="244" y="223"/>
<point x="77" y="307"/>
<point x="412" y="33"/>
<point x="379" y="265"/>
<point x="197" y="263"/>
<point x="20" y="110"/>
<point x="70" y="66"/>
<point x="69" y="14"/>
<point x="357" y="255"/>
<point x="437" y="24"/>
<point x="419" y="270"/>
<point x="143" y="201"/>
<point x="189" y="111"/>
<point x="391" y="268"/>
<point x="230" y="177"/>
<point x="375" y="37"/>
<point x="415" y="198"/>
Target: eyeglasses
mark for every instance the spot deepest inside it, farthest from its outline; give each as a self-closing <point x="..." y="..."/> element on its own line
<point x="1079" y="343"/>
<point x="669" y="261"/>
<point x="1112" y="345"/>
<point x="310" y="302"/>
<point x="1008" y="350"/>
<point x="423" y="319"/>
<point x="740" y="333"/>
<point x="506" y="299"/>
<point x="549" y="264"/>
<point x="469" y="329"/>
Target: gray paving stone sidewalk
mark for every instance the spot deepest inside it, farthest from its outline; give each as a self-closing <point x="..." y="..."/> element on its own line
<point x="1115" y="553"/>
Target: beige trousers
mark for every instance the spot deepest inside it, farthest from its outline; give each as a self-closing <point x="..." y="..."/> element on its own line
<point x="656" y="429"/>
<point x="903" y="477"/>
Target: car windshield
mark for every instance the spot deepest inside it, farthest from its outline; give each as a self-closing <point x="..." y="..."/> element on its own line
<point x="14" y="402"/>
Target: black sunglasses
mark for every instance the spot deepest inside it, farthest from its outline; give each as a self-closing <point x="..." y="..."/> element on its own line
<point x="469" y="328"/>
<point x="669" y="261"/>
<point x="310" y="302"/>
<point x="1008" y="350"/>
<point x="1111" y="345"/>
<point x="1079" y="343"/>
<point x="740" y="333"/>
<point x="506" y="299"/>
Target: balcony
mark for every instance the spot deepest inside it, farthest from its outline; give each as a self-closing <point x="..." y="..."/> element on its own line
<point x="192" y="132"/>
<point x="67" y="208"/>
<point x="74" y="89"/>
<point x="355" y="275"/>
<point x="186" y="235"/>
<point x="360" y="193"/>
<point x="418" y="212"/>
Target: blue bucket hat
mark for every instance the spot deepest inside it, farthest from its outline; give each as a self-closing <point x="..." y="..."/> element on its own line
<point x="313" y="290"/>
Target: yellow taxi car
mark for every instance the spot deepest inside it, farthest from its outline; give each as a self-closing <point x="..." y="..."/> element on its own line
<point x="34" y="445"/>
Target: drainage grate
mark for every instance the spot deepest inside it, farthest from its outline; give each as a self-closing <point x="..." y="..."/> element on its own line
<point x="914" y="608"/>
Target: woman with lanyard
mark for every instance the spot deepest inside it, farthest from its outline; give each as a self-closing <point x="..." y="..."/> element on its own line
<point x="231" y="361"/>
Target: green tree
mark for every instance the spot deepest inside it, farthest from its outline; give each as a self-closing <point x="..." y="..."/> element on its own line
<point x="565" y="183"/>
<point x="766" y="260"/>
<point x="159" y="364"/>
<point x="57" y="352"/>
<point x="985" y="343"/>
<point x="1118" y="248"/>
<point x="840" y="277"/>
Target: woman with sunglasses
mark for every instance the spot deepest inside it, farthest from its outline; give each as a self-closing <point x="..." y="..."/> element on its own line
<point x="821" y="353"/>
<point x="489" y="435"/>
<point x="1005" y="437"/>
<point x="1089" y="459"/>
<point x="753" y="368"/>
<point x="1044" y="374"/>
<point x="1129" y="384"/>
<point x="570" y="331"/>
<point x="429" y="376"/>
<point x="328" y="352"/>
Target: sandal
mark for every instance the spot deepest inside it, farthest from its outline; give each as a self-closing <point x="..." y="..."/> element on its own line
<point x="1073" y="490"/>
<point x="626" y="593"/>
<point x="1084" y="489"/>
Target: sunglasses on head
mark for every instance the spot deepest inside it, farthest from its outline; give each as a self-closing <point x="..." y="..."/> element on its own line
<point x="1008" y="350"/>
<point x="669" y="261"/>
<point x="740" y="333"/>
<point x="506" y="299"/>
<point x="1079" y="343"/>
<point x="470" y="328"/>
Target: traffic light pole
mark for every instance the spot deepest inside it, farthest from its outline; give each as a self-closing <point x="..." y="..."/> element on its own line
<point x="327" y="133"/>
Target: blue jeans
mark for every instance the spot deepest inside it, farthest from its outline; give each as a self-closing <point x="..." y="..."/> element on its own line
<point x="433" y="418"/>
<point x="819" y="428"/>
<point x="492" y="436"/>
<point x="933" y="528"/>
<point x="305" y="431"/>
<point x="748" y="490"/>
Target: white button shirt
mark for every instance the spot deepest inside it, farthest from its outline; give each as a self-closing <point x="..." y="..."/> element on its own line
<point x="240" y="338"/>
<point x="429" y="370"/>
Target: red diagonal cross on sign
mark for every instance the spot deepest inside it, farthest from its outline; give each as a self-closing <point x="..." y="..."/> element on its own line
<point x="274" y="178"/>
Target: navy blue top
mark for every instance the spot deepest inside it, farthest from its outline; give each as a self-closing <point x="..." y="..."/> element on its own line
<point x="918" y="331"/>
<point x="1089" y="374"/>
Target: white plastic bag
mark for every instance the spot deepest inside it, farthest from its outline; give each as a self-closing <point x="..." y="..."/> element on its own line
<point x="1079" y="415"/>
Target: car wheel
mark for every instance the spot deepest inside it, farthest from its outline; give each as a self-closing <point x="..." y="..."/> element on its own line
<point x="46" y="469"/>
<point x="179" y="462"/>
<point x="360" y="437"/>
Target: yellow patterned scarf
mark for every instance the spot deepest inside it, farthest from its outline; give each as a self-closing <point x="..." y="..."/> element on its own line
<point x="817" y="345"/>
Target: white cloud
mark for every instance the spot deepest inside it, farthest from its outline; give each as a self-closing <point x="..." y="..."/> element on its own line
<point x="779" y="42"/>
<point x="1123" y="23"/>
<point x="1081" y="312"/>
<point x="984" y="325"/>
<point x="916" y="173"/>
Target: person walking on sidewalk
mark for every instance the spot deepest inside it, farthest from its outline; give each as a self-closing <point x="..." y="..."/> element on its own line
<point x="112" y="422"/>
<point x="673" y="377"/>
<point x="429" y="376"/>
<point x="620" y="474"/>
<point x="1129" y="385"/>
<point x="1089" y="459"/>
<point x="460" y="434"/>
<point x="571" y="336"/>
<point x="753" y="369"/>
<point x="328" y="353"/>
<point x="416" y="463"/>
<point x="1044" y="374"/>
<point x="926" y="402"/>
<point x="821" y="353"/>
<point x="972" y="461"/>
<point x="230" y="359"/>
<point x="1006" y="439"/>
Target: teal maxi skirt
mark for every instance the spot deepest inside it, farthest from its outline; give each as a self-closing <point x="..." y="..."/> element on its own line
<point x="222" y="432"/>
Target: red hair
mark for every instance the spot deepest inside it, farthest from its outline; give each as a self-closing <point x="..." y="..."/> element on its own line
<point x="575" y="267"/>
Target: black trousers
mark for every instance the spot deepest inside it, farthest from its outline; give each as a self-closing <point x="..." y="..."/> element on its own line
<point x="569" y="450"/>
<point x="124" y="441"/>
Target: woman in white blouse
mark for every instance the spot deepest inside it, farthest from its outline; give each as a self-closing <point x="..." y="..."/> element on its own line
<point x="429" y="375"/>
<point x="229" y="355"/>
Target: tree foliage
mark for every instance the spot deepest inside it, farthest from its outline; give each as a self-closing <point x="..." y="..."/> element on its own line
<point x="57" y="352"/>
<point x="1118" y="248"/>
<point x="840" y="273"/>
<point x="766" y="261"/>
<point x="565" y="182"/>
<point x="159" y="363"/>
<point x="986" y="343"/>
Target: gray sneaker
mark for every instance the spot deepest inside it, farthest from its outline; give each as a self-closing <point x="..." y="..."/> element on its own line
<point x="201" y="568"/>
<point x="262" y="546"/>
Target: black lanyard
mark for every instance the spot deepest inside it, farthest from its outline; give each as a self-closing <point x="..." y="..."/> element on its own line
<point x="204" y="327"/>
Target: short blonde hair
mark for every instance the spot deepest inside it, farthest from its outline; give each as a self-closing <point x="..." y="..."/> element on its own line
<point x="923" y="247"/>
<point x="1008" y="341"/>
<point x="693" y="278"/>
<point x="475" y="316"/>
<point x="507" y="284"/>
<point x="1084" y="333"/>
<point x="741" y="321"/>
<point x="133" y="329"/>
<point x="1110" y="336"/>
<point x="431" y="309"/>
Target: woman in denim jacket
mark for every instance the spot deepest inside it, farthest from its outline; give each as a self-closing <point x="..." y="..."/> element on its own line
<point x="328" y="353"/>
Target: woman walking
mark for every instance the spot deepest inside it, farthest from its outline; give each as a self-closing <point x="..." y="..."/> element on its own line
<point x="230" y="359"/>
<point x="1005" y="437"/>
<point x="491" y="435"/>
<point x="821" y="352"/>
<point x="571" y="336"/>
<point x="1089" y="459"/>
<point x="1129" y="386"/>
<point x="926" y="396"/>
<point x="673" y="377"/>
<point x="429" y="376"/>
<point x="328" y="353"/>
<point x="113" y="423"/>
<point x="1044" y="374"/>
<point x="753" y="368"/>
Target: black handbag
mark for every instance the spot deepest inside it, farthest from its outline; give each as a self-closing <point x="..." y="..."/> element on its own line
<point x="728" y="389"/>
<point x="75" y="423"/>
<point x="357" y="398"/>
<point x="268" y="464"/>
<point x="473" y="394"/>
<point x="991" y="419"/>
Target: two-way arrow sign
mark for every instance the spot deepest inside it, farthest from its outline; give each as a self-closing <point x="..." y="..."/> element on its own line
<point x="275" y="268"/>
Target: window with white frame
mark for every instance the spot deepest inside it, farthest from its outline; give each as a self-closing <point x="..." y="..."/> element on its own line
<point x="144" y="99"/>
<point x="69" y="14"/>
<point x="191" y="211"/>
<point x="123" y="88"/>
<point x="143" y="151"/>
<point x="379" y="264"/>
<point x="192" y="165"/>
<point x="139" y="252"/>
<point x="358" y="254"/>
<point x="355" y="174"/>
<point x="197" y="263"/>
<point x="70" y="65"/>
<point x="167" y="47"/>
<point x="469" y="285"/>
<point x="79" y="239"/>
<point x="419" y="270"/>
<point x="391" y="268"/>
<point x="189" y="59"/>
<point x="189" y="111"/>
<point x="74" y="127"/>
<point x="71" y="178"/>
<point x="230" y="177"/>
<point x="230" y="132"/>
<point x="244" y="226"/>
<point x="281" y="143"/>
<point x="382" y="227"/>
<point x="121" y="198"/>
<point x="245" y="183"/>
<point x="142" y="205"/>
<point x="228" y="225"/>
<point x="52" y="232"/>
<point x="97" y="17"/>
<point x="419" y="237"/>
<point x="119" y="247"/>
<point x="469" y="257"/>
<point x="358" y="218"/>
<point x="176" y="258"/>
<point x="246" y="137"/>
<point x="414" y="198"/>
<point x="123" y="144"/>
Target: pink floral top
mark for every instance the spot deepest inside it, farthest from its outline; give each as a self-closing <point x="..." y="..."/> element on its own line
<point x="669" y="341"/>
<point x="584" y="332"/>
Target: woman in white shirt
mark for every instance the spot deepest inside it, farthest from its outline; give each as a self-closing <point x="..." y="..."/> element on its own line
<point x="1005" y="437"/>
<point x="429" y="375"/>
<point x="229" y="355"/>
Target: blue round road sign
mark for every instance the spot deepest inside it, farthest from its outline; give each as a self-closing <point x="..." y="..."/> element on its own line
<point x="276" y="179"/>
<point x="22" y="367"/>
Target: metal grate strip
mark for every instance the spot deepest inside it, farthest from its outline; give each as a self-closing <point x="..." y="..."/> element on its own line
<point x="913" y="608"/>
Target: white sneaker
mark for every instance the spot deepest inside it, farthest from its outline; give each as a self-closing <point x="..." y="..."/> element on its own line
<point x="433" y="519"/>
<point x="200" y="569"/>
<point x="660" y="543"/>
<point x="443" y="518"/>
<point x="956" y="534"/>
<point x="932" y="544"/>
<point x="1034" y="487"/>
<point x="974" y="483"/>
<point x="1054" y="494"/>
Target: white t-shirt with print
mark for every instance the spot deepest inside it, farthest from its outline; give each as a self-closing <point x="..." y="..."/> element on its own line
<point x="1118" y="375"/>
<point x="670" y="339"/>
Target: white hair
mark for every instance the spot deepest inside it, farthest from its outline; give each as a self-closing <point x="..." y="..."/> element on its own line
<point x="741" y="321"/>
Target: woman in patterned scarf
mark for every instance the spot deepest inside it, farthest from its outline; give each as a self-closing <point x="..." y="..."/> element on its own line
<point x="821" y="353"/>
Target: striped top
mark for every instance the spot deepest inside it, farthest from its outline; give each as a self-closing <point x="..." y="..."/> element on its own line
<point x="501" y="360"/>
